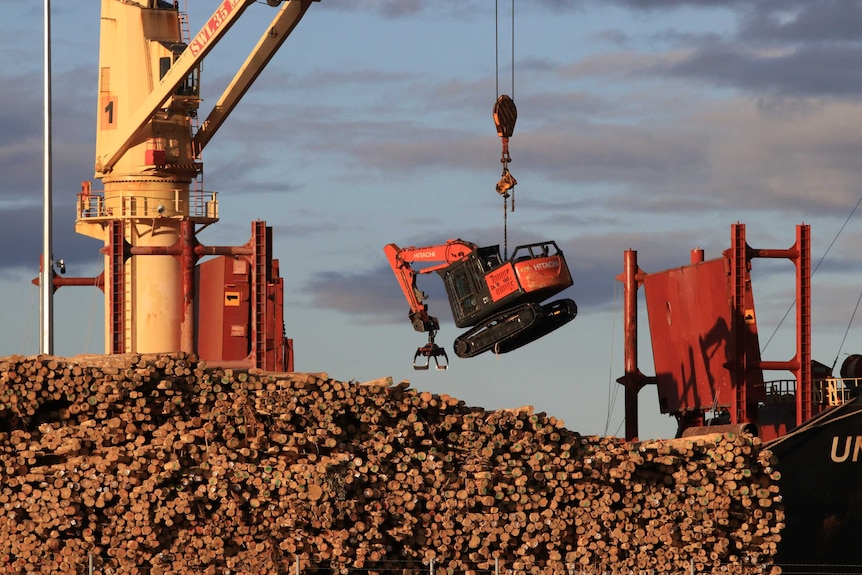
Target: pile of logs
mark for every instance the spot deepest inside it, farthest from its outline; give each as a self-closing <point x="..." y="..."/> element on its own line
<point x="160" y="464"/>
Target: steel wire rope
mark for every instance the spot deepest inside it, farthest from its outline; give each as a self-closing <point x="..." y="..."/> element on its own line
<point x="616" y="394"/>
<point x="847" y="331"/>
<point x="822" y="258"/>
<point x="613" y="391"/>
<point x="497" y="90"/>
<point x="620" y="427"/>
<point x="497" y="47"/>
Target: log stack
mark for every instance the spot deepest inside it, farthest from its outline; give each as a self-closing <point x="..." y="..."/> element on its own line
<point x="160" y="464"/>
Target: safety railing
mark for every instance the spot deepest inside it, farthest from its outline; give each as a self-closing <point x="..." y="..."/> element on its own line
<point x="835" y="391"/>
<point x="830" y="391"/>
<point x="779" y="390"/>
<point x="94" y="205"/>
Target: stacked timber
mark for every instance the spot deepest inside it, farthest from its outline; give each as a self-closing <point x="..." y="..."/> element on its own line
<point x="160" y="464"/>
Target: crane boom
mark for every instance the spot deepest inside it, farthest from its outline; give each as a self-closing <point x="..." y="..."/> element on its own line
<point x="221" y="21"/>
<point x="279" y="29"/>
<point x="214" y="30"/>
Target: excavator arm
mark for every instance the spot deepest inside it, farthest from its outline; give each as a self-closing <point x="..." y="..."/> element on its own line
<point x="401" y="261"/>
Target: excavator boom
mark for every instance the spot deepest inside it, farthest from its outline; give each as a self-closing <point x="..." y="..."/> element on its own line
<point x="401" y="260"/>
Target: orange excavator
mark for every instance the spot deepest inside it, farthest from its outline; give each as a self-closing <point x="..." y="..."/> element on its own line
<point x="500" y="300"/>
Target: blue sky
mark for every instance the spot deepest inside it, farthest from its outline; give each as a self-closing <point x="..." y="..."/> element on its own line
<point x="644" y="124"/>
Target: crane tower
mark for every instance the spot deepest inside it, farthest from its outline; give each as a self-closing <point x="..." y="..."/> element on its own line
<point x="159" y="296"/>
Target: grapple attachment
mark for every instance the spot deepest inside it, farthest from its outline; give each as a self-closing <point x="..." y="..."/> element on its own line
<point x="428" y="351"/>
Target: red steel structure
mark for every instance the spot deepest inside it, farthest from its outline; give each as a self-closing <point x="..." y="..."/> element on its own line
<point x="703" y="327"/>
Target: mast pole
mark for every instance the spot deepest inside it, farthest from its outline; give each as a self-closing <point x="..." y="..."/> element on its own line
<point x="46" y="272"/>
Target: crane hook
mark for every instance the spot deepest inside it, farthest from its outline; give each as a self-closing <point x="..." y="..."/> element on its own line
<point x="505" y="116"/>
<point x="506" y="183"/>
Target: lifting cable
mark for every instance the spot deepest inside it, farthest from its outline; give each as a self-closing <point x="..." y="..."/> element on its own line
<point x="858" y="301"/>
<point x="844" y="339"/>
<point x="814" y="271"/>
<point x="505" y="116"/>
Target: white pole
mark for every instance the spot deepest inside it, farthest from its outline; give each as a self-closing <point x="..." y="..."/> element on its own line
<point x="46" y="276"/>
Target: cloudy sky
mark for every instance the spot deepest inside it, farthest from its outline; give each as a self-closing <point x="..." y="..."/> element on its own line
<point x="644" y="124"/>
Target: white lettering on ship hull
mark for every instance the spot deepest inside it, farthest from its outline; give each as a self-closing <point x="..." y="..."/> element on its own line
<point x="851" y="449"/>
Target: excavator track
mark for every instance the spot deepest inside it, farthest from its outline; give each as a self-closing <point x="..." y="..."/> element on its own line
<point x="515" y="327"/>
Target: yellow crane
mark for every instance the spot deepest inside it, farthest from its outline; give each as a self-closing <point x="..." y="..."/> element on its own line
<point x="149" y="140"/>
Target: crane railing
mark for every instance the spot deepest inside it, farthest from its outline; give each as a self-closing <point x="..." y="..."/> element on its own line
<point x="198" y="204"/>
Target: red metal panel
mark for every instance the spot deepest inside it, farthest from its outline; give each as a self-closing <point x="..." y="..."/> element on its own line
<point x="690" y="326"/>
<point x="223" y="310"/>
<point x="236" y="305"/>
<point x="155" y="158"/>
<point x="210" y="324"/>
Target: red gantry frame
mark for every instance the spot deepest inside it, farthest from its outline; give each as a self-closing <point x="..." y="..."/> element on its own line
<point x="703" y="329"/>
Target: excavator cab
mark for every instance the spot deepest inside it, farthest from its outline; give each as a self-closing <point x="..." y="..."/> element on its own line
<point x="501" y="300"/>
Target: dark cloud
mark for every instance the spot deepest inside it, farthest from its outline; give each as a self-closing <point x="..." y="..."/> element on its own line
<point x="796" y="48"/>
<point x="21" y="147"/>
<point x="807" y="21"/>
<point x="395" y="9"/>
<point x="617" y="153"/>
<point x="248" y="173"/>
<point x="670" y="4"/>
<point x="802" y="72"/>
<point x="22" y="228"/>
<point x="656" y="166"/>
<point x="372" y="297"/>
<point x="22" y="157"/>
